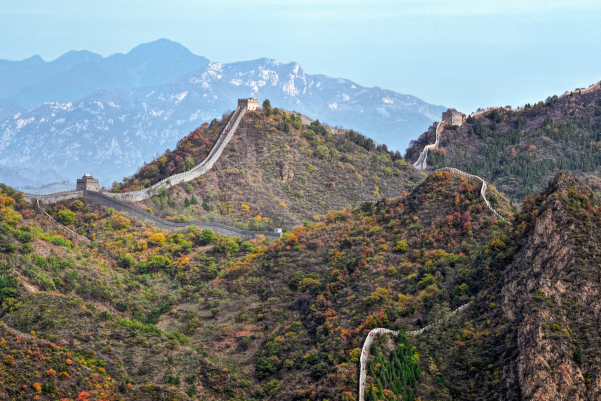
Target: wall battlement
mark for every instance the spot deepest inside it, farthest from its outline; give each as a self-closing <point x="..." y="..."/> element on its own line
<point x="249" y="104"/>
<point x="87" y="182"/>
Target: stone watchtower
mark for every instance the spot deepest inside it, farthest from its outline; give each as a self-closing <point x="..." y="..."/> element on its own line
<point x="87" y="182"/>
<point x="453" y="117"/>
<point x="250" y="103"/>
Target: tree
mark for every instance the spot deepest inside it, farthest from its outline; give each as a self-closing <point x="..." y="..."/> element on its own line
<point x="284" y="126"/>
<point x="320" y="370"/>
<point x="189" y="163"/>
<point x="126" y="260"/>
<point x="65" y="217"/>
<point x="77" y="205"/>
<point x="207" y="236"/>
<point x="187" y="202"/>
<point x="119" y="221"/>
<point x="267" y="107"/>
<point x="265" y="367"/>
<point x="193" y="201"/>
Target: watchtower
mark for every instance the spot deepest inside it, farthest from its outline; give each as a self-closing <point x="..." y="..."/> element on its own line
<point x="250" y="103"/>
<point x="87" y="182"/>
<point x="453" y="117"/>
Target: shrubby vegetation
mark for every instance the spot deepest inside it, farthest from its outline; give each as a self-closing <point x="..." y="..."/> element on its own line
<point x="521" y="150"/>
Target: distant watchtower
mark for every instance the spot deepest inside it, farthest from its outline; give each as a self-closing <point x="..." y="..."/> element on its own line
<point x="250" y="103"/>
<point x="453" y="117"/>
<point x="87" y="182"/>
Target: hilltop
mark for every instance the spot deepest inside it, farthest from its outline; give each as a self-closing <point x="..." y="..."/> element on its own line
<point x="519" y="151"/>
<point x="277" y="171"/>
<point x="83" y="113"/>
<point x="217" y="318"/>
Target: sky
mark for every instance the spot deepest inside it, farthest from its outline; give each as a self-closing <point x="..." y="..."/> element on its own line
<point x="457" y="53"/>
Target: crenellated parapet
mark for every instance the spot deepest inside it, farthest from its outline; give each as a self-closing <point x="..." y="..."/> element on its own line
<point x="201" y="169"/>
<point x="108" y="200"/>
<point x="53" y="198"/>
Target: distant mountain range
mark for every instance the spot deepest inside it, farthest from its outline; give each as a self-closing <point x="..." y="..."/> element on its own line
<point x="106" y="116"/>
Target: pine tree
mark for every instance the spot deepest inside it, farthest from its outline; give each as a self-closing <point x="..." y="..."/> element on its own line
<point x="187" y="202"/>
<point x="193" y="201"/>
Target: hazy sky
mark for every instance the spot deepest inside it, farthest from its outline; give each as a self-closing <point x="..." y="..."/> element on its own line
<point x="464" y="54"/>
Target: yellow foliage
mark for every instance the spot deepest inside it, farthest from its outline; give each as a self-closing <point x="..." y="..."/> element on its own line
<point x="282" y="204"/>
<point x="244" y="208"/>
<point x="119" y="221"/>
<point x="142" y="245"/>
<point x="182" y="261"/>
<point x="157" y="239"/>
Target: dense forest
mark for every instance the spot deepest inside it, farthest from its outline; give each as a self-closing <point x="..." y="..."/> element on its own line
<point x="520" y="150"/>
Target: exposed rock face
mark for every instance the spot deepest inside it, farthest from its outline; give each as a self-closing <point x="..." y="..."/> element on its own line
<point x="551" y="296"/>
<point x="287" y="174"/>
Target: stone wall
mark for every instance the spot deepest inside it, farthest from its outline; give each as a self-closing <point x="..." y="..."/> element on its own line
<point x="109" y="201"/>
<point x="53" y="198"/>
<point x="195" y="172"/>
<point x="249" y="104"/>
<point x="70" y="233"/>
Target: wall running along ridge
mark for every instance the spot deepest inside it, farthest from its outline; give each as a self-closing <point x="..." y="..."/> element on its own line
<point x="582" y="91"/>
<point x="142" y="215"/>
<point x="421" y="164"/>
<point x="482" y="190"/>
<point x="195" y="172"/>
<point x="370" y="339"/>
<point x="71" y="233"/>
<point x="114" y="200"/>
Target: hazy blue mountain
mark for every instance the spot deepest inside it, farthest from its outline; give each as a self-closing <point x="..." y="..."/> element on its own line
<point x="111" y="132"/>
<point x="74" y="75"/>
<point x="18" y="75"/>
<point x="9" y="109"/>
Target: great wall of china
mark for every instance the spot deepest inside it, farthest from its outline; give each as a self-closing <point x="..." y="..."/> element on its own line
<point x="421" y="164"/>
<point x="116" y="200"/>
<point x="371" y="336"/>
<point x="581" y="91"/>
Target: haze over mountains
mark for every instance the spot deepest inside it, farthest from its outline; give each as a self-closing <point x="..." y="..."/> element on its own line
<point x="106" y="116"/>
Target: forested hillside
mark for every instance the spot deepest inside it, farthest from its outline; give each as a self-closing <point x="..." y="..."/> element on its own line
<point x="144" y="314"/>
<point x="519" y="151"/>
<point x="275" y="172"/>
<point x="530" y="332"/>
<point x="211" y="317"/>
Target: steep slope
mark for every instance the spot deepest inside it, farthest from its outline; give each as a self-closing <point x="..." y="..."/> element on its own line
<point x="519" y="151"/>
<point x="220" y="319"/>
<point x="531" y="331"/>
<point x="272" y="178"/>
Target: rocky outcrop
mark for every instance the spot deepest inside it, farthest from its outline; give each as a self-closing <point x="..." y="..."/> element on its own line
<point x="551" y="296"/>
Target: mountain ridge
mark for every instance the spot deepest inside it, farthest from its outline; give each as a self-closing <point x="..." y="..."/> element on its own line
<point x="111" y="132"/>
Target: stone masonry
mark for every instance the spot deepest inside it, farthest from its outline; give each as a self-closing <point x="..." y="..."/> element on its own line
<point x="453" y="117"/>
<point x="87" y="182"/>
<point x="250" y="103"/>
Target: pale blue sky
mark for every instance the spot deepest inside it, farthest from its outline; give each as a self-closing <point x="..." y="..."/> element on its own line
<point x="464" y="54"/>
